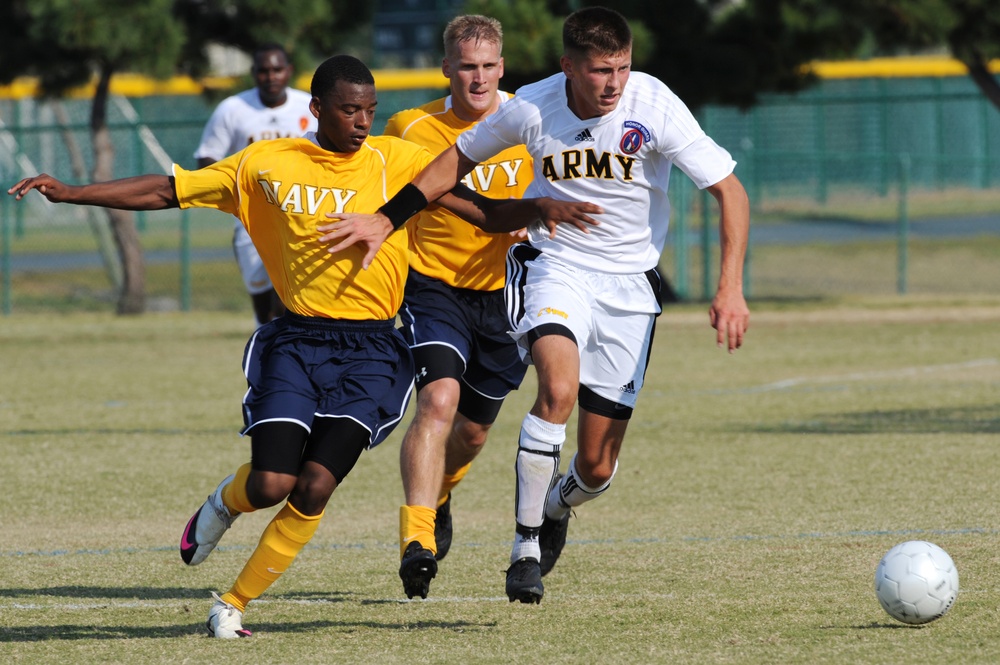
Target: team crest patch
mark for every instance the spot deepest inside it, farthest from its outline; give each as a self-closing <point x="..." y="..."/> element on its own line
<point x="633" y="138"/>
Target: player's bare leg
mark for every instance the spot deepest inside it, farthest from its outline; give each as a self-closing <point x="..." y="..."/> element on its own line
<point x="465" y="442"/>
<point x="543" y="432"/>
<point x="422" y="466"/>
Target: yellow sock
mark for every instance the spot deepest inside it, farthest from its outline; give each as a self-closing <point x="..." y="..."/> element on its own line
<point x="416" y="523"/>
<point x="450" y="481"/>
<point x="281" y="541"/>
<point x="234" y="495"/>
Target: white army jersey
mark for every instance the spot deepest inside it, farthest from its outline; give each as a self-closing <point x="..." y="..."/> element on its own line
<point x="620" y="161"/>
<point x="243" y="119"/>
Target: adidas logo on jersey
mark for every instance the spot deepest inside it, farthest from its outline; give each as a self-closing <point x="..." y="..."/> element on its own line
<point x="628" y="388"/>
<point x="585" y="135"/>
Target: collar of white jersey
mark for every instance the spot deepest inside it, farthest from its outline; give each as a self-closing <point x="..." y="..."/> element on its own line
<point x="504" y="96"/>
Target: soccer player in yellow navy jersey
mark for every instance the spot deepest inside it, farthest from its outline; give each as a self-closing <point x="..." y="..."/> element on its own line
<point x="453" y="314"/>
<point x="332" y="376"/>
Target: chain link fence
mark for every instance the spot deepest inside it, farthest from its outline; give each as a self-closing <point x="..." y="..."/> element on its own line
<point x="858" y="187"/>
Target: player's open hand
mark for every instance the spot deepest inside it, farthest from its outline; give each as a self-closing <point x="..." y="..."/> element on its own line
<point x="351" y="228"/>
<point x="46" y="185"/>
<point x="730" y="317"/>
<point x="554" y="212"/>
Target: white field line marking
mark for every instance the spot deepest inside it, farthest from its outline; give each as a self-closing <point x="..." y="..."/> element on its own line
<point x="901" y="372"/>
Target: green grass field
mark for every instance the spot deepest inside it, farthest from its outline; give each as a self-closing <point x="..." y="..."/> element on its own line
<point x="756" y="494"/>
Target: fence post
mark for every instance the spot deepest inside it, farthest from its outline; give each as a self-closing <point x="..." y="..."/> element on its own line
<point x="985" y="111"/>
<point x="903" y="232"/>
<point x="883" y="102"/>
<point x="5" y="238"/>
<point x="140" y="221"/>
<point x="19" y="140"/>
<point x="706" y="247"/>
<point x="185" y="261"/>
<point x="680" y="238"/>
<point x="821" y="157"/>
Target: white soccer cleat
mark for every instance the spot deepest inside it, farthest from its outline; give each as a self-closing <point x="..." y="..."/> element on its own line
<point x="225" y="621"/>
<point x="206" y="527"/>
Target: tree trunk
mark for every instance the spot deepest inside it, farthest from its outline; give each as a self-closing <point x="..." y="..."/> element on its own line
<point x="985" y="80"/>
<point x="132" y="299"/>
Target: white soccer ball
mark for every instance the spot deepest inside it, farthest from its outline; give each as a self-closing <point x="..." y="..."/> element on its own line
<point x="916" y="582"/>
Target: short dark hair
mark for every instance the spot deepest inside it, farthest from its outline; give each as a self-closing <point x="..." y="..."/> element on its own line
<point x="268" y="47"/>
<point x="596" y="31"/>
<point x="339" y="68"/>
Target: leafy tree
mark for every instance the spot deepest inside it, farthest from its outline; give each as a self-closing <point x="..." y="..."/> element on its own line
<point x="730" y="51"/>
<point x="724" y="52"/>
<point x="66" y="43"/>
<point x="311" y="30"/>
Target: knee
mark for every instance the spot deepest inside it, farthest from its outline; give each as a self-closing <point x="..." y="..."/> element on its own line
<point x="266" y="489"/>
<point x="312" y="492"/>
<point x="469" y="437"/>
<point x="595" y="471"/>
<point x="556" y="399"/>
<point x="439" y="400"/>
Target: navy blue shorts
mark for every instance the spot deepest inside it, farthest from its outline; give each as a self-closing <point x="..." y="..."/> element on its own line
<point x="462" y="334"/>
<point x="301" y="368"/>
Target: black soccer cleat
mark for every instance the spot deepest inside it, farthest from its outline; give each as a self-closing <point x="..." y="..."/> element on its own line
<point x="417" y="569"/>
<point x="551" y="540"/>
<point x="524" y="581"/>
<point x="443" y="528"/>
<point x="552" y="536"/>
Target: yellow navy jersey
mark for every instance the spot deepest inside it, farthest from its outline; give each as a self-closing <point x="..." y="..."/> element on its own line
<point x="282" y="189"/>
<point x="442" y="245"/>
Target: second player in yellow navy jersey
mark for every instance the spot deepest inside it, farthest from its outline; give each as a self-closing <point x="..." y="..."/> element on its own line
<point x="453" y="316"/>
<point x="443" y="245"/>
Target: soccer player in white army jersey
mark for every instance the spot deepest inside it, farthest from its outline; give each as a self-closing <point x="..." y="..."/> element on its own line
<point x="583" y="301"/>
<point x="270" y="110"/>
<point x="453" y="312"/>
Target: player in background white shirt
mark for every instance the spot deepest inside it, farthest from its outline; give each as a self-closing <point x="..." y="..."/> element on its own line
<point x="583" y="303"/>
<point x="268" y="111"/>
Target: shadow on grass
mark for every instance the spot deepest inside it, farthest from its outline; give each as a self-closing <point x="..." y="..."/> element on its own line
<point x="964" y="420"/>
<point x="159" y="431"/>
<point x="40" y="633"/>
<point x="135" y="593"/>
<point x="146" y="594"/>
<point x="876" y="625"/>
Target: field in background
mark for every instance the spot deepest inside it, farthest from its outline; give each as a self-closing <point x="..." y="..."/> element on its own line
<point x="756" y="494"/>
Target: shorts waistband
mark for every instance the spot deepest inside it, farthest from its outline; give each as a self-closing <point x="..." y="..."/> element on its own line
<point x="345" y="325"/>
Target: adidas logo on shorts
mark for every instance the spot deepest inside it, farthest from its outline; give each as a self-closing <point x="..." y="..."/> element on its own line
<point x="585" y="135"/>
<point x="628" y="388"/>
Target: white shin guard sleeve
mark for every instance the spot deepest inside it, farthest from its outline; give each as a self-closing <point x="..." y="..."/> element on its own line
<point x="537" y="464"/>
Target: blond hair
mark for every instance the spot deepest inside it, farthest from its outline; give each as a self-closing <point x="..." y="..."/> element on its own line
<point x="471" y="27"/>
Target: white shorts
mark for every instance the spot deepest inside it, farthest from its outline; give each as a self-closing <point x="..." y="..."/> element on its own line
<point x="610" y="316"/>
<point x="255" y="278"/>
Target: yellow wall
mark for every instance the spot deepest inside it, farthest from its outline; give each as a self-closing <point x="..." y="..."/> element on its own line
<point x="133" y="85"/>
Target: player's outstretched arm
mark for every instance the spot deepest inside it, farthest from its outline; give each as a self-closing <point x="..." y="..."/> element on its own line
<point x="506" y="215"/>
<point x="371" y="230"/>
<point x="145" y="192"/>
<point x="729" y="314"/>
